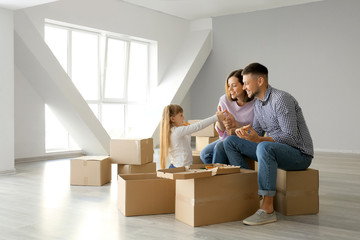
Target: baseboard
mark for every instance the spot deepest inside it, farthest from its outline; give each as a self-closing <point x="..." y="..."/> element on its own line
<point x="7" y="172"/>
<point x="337" y="154"/>
<point x="51" y="156"/>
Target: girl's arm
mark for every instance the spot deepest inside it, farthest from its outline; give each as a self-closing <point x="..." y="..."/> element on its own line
<point x="186" y="130"/>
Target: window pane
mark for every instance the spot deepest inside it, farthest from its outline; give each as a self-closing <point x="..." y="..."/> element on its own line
<point x="85" y="64"/>
<point x="138" y="72"/>
<point x="56" y="39"/>
<point x="115" y="69"/>
<point x="113" y="119"/>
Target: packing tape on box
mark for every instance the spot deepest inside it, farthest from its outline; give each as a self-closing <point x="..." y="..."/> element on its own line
<point x="208" y="199"/>
<point x="84" y="163"/>
<point x="86" y="180"/>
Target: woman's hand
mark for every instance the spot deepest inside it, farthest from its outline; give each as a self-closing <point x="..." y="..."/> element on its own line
<point x="220" y="114"/>
<point x="229" y="121"/>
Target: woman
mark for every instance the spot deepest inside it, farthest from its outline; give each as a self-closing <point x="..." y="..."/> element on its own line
<point x="240" y="110"/>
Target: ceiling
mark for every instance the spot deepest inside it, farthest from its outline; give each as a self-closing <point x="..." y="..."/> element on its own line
<point x="186" y="9"/>
<point x="18" y="4"/>
<point x="197" y="9"/>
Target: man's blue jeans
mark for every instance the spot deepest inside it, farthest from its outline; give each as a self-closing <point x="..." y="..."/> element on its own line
<point x="270" y="156"/>
<point x="214" y="153"/>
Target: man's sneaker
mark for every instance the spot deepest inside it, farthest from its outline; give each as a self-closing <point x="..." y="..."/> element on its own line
<point x="260" y="217"/>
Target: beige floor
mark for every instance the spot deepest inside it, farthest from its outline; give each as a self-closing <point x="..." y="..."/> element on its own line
<point x="38" y="203"/>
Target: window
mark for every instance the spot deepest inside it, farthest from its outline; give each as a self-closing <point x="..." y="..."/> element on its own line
<point x="110" y="71"/>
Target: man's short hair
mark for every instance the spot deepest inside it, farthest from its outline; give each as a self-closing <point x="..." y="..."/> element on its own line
<point x="255" y="68"/>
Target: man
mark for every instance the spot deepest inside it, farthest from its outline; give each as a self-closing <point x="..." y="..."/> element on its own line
<point x="286" y="145"/>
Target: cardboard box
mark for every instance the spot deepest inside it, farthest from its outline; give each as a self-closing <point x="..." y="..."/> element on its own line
<point x="145" y="194"/>
<point x="209" y="131"/>
<point x="131" y="151"/>
<point x="218" y="199"/>
<point x="130" y="169"/>
<point x="297" y="192"/>
<point x="196" y="157"/>
<point x="90" y="170"/>
<point x="202" y="142"/>
<point x="251" y="163"/>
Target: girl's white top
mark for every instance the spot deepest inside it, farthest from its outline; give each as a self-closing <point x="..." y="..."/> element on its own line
<point x="180" y="153"/>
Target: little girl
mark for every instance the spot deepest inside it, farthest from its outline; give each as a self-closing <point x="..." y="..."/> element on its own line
<point x="175" y="147"/>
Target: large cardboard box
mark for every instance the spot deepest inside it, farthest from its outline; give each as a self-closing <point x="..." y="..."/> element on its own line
<point x="90" y="170"/>
<point x="209" y="131"/>
<point x="297" y="192"/>
<point x="202" y="142"/>
<point x="217" y="199"/>
<point x="130" y="169"/>
<point x="145" y="194"/>
<point x="131" y="151"/>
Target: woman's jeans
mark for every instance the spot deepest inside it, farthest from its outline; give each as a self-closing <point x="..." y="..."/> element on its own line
<point x="269" y="155"/>
<point x="214" y="153"/>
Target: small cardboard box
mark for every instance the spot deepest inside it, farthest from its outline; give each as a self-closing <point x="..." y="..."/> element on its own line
<point x="145" y="194"/>
<point x="218" y="199"/>
<point x="90" y="170"/>
<point x="130" y="169"/>
<point x="131" y="151"/>
<point x="297" y="192"/>
<point x="202" y="142"/>
<point x="196" y="157"/>
<point x="209" y="131"/>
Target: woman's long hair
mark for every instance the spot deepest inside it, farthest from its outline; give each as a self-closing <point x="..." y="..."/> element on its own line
<point x="165" y="128"/>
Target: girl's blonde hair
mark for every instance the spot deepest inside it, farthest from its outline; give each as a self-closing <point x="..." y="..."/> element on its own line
<point x="165" y="128"/>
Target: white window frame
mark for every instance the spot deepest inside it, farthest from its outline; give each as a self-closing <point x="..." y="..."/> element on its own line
<point x="105" y="36"/>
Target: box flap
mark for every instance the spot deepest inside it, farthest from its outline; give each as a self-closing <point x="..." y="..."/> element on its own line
<point x="183" y="173"/>
<point x="217" y="168"/>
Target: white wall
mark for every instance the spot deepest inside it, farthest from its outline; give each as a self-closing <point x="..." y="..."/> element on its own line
<point x="29" y="120"/>
<point x="311" y="51"/>
<point x="6" y="91"/>
<point x="109" y="15"/>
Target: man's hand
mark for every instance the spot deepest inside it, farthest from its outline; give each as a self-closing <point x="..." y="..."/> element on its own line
<point x="248" y="133"/>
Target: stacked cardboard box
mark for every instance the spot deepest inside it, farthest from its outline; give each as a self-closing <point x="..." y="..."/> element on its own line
<point x="205" y="136"/>
<point x="140" y="191"/>
<point x="90" y="170"/>
<point x="196" y="157"/>
<point x="144" y="194"/>
<point x="297" y="192"/>
<point x="204" y="199"/>
<point x="133" y="155"/>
